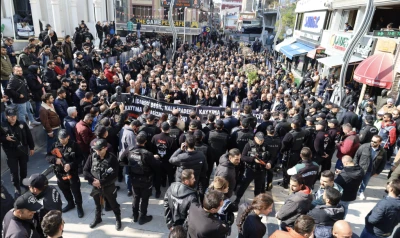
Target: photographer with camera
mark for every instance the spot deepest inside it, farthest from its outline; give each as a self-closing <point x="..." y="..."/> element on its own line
<point x="257" y="160"/>
<point x="18" y="145"/>
<point x="101" y="170"/>
<point x="142" y="165"/>
<point x="66" y="156"/>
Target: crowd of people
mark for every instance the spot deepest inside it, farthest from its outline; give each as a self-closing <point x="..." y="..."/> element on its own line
<point x="79" y="99"/>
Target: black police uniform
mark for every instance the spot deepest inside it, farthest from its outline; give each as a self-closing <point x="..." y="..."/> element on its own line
<point x="254" y="171"/>
<point x="309" y="140"/>
<point x="273" y="145"/>
<point x="106" y="171"/>
<point x="15" y="227"/>
<point x="321" y="142"/>
<point x="282" y="128"/>
<point x="69" y="183"/>
<point x="142" y="167"/>
<point x="164" y="146"/>
<point x="175" y="133"/>
<point x="366" y="133"/>
<point x="292" y="144"/>
<point x="150" y="131"/>
<point x="208" y="154"/>
<point x="218" y="141"/>
<point x="17" y="152"/>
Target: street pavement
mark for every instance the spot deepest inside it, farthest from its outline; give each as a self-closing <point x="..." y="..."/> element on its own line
<point x="79" y="228"/>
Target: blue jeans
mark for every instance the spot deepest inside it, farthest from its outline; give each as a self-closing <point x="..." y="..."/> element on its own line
<point x="128" y="179"/>
<point x="24" y="109"/>
<point x="4" y="84"/>
<point x="365" y="182"/>
<point x="366" y="234"/>
<point x="51" y="140"/>
<point x="3" y="117"/>
<point x="38" y="104"/>
<point x="138" y="34"/>
<point x="346" y="207"/>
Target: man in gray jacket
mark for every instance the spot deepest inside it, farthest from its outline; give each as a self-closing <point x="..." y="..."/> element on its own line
<point x="188" y="158"/>
<point x="227" y="169"/>
<point x="298" y="203"/>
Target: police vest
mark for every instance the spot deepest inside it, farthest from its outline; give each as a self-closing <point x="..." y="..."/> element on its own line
<point x="273" y="143"/>
<point x="256" y="151"/>
<point x="242" y="138"/>
<point x="203" y="148"/>
<point x="218" y="140"/>
<point x="138" y="168"/>
<point x="298" y="139"/>
<point x="150" y="131"/>
<point x="99" y="167"/>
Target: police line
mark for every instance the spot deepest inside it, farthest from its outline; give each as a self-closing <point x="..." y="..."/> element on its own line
<point x="137" y="102"/>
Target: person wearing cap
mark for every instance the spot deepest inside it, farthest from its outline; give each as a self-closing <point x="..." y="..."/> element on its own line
<point x="282" y="126"/>
<point x="18" y="145"/>
<point x="174" y="131"/>
<point x="101" y="171"/>
<point x="321" y="143"/>
<point x="81" y="65"/>
<point x="142" y="165"/>
<point x="150" y="129"/>
<point x="257" y="160"/>
<point x="47" y="195"/>
<point x="291" y="146"/>
<point x="248" y="113"/>
<point x="350" y="117"/>
<point x="273" y="144"/>
<point x="368" y="111"/>
<point x="164" y="146"/>
<point x="66" y="156"/>
<point x="310" y="128"/>
<point x="193" y="125"/>
<point x="334" y="111"/>
<point x="178" y="198"/>
<point x="368" y="131"/>
<point x="18" y="222"/>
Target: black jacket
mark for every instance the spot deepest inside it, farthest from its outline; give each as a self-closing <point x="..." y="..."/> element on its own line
<point x="349" y="117"/>
<point x="350" y="179"/>
<point x="177" y="201"/>
<point x="51" y="200"/>
<point x="202" y="224"/>
<point x="324" y="217"/>
<point x="190" y="160"/>
<point x="35" y="87"/>
<point x="383" y="218"/>
<point x="21" y="132"/>
<point x="164" y="146"/>
<point x="230" y="123"/>
<point x="112" y="162"/>
<point x="367" y="132"/>
<point x="252" y="227"/>
<point x="17" y="86"/>
<point x="150" y="131"/>
<point x="363" y="158"/>
<point x="218" y="141"/>
<point x="71" y="154"/>
<point x="15" y="227"/>
<point x="50" y="76"/>
<point x="227" y="170"/>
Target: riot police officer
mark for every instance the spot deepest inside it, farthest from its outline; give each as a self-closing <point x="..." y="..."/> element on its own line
<point x="206" y="149"/>
<point x="66" y="155"/>
<point x="174" y="131"/>
<point x="142" y="166"/>
<point x="218" y="141"/>
<point x="101" y="170"/>
<point x="310" y="128"/>
<point x="150" y="130"/>
<point x="18" y="145"/>
<point x="321" y="142"/>
<point x="257" y="161"/>
<point x="273" y="145"/>
<point x="368" y="131"/>
<point x="291" y="147"/>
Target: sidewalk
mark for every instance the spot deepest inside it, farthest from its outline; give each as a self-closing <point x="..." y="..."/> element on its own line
<point x="79" y="228"/>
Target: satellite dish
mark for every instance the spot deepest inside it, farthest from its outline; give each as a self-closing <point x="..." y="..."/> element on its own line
<point x="289" y="32"/>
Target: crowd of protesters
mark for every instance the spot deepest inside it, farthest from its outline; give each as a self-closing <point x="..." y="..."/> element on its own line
<point x="71" y="89"/>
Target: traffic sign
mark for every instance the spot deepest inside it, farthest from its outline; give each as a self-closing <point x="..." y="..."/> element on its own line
<point x="208" y="29"/>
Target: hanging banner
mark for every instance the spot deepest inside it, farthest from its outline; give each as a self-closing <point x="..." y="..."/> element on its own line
<point x="182" y="3"/>
<point x="313" y="21"/>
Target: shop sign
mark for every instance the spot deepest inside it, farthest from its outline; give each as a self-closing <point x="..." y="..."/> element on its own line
<point x="299" y="34"/>
<point x="364" y="47"/>
<point x="387" y="33"/>
<point x="313" y="21"/>
<point x="340" y="42"/>
<point x="158" y="22"/>
<point x="181" y="3"/>
<point x="386" y="45"/>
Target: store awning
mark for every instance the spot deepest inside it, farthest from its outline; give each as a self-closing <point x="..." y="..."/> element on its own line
<point x="317" y="53"/>
<point x="287" y="41"/>
<point x="295" y="49"/>
<point x="376" y="70"/>
<point x="337" y="60"/>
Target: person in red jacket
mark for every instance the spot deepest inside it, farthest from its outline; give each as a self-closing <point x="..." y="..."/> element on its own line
<point x="388" y="133"/>
<point x="84" y="135"/>
<point x="348" y="146"/>
<point x="60" y="68"/>
<point x="303" y="228"/>
<point x="109" y="73"/>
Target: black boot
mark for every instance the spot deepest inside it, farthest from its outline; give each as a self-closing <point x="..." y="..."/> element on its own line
<point x="69" y="206"/>
<point x="97" y="219"/>
<point x="145" y="219"/>
<point x="118" y="222"/>
<point x="79" y="209"/>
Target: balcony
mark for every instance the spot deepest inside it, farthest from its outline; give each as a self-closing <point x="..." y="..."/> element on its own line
<point x="267" y="7"/>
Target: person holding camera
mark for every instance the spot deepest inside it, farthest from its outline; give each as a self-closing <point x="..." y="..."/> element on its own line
<point x="18" y="145"/>
<point x="101" y="170"/>
<point x="142" y="165"/>
<point x="66" y="155"/>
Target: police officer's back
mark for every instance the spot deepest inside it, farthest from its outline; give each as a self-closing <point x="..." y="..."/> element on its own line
<point x="239" y="138"/>
<point x="321" y="143"/>
<point x="273" y="144"/>
<point x="174" y="131"/>
<point x="283" y="126"/>
<point x="218" y="141"/>
<point x="142" y="166"/>
<point x="150" y="129"/>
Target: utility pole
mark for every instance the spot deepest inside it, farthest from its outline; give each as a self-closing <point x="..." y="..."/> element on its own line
<point x="172" y="26"/>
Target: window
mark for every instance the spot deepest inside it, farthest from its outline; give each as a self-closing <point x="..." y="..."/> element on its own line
<point x="142" y="12"/>
<point x="328" y="20"/>
<point x="348" y="16"/>
<point x="299" y="20"/>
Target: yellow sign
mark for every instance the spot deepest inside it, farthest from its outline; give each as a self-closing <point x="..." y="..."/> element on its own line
<point x="208" y="29"/>
<point x="386" y="45"/>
